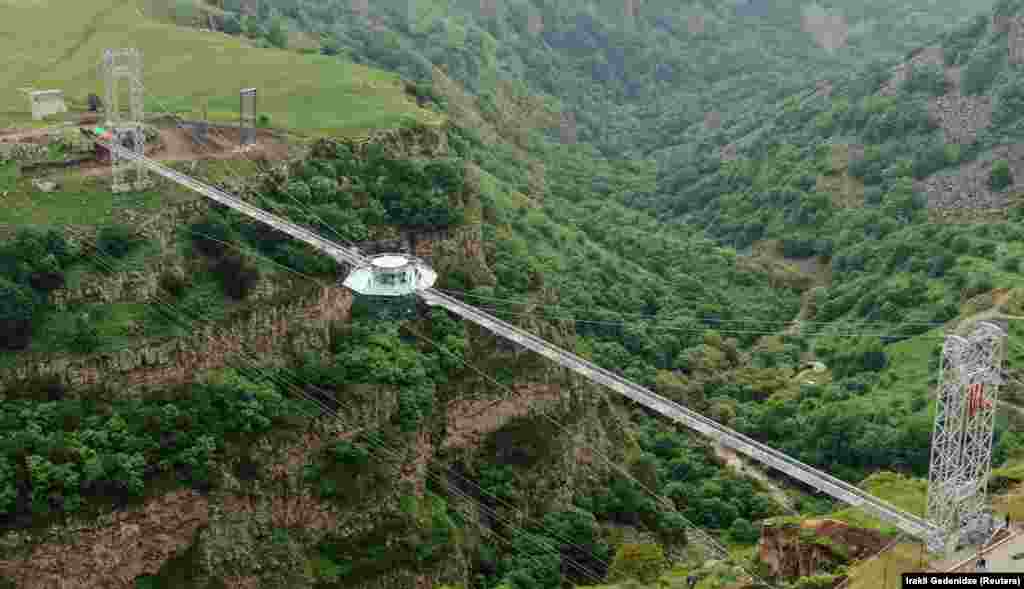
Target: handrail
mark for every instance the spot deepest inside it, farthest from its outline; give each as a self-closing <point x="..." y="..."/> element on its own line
<point x="837" y="488"/>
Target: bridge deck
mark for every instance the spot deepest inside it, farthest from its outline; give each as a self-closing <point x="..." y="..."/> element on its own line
<point x="822" y="481"/>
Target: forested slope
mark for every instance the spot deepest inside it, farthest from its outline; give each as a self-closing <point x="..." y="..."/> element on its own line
<point x="639" y="76"/>
<point x="561" y="239"/>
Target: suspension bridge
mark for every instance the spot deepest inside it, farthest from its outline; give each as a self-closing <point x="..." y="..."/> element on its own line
<point x="909" y="523"/>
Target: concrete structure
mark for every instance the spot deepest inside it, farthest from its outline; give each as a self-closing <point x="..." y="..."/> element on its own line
<point x="391" y="275"/>
<point x="247" y="116"/>
<point x="961" y="455"/>
<point x="47" y="103"/>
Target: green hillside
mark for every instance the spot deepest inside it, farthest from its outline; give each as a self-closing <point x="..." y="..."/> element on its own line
<point x="637" y="83"/>
<point x="54" y="44"/>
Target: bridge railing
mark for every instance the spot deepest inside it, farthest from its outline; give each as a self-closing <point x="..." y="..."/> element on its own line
<point x="837" y="488"/>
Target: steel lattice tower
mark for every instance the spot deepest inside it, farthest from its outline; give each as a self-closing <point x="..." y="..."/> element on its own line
<point x="961" y="456"/>
<point x="127" y="130"/>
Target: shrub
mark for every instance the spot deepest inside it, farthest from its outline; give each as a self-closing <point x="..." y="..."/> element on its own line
<point x="744" y="532"/>
<point x="1009" y="103"/>
<point x="18" y="308"/>
<point x="85" y="338"/>
<point x="985" y="249"/>
<point x="232" y="25"/>
<point x="1011" y="264"/>
<point x="297" y="190"/>
<point x="236" y="276"/>
<point x="1000" y="177"/>
<point x="977" y="284"/>
<point x="642" y="562"/>
<point x="211" y="236"/>
<point x="961" y="245"/>
<point x="927" y="78"/>
<point x="173" y="283"/>
<point x="873" y="195"/>
<point x="117" y="241"/>
<point x="981" y="71"/>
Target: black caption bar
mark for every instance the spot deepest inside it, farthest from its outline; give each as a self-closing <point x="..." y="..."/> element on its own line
<point x="963" y="580"/>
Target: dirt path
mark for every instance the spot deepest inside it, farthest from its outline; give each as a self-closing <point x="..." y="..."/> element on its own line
<point x="742" y="467"/>
<point x="222" y="144"/>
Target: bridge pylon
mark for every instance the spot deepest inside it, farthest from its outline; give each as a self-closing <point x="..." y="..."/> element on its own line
<point x="126" y="129"/>
<point x="961" y="456"/>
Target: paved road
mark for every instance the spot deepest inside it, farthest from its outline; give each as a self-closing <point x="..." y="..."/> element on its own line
<point x="1000" y="558"/>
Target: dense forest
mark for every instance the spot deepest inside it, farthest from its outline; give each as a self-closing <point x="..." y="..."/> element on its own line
<point x="639" y="78"/>
<point x="643" y="250"/>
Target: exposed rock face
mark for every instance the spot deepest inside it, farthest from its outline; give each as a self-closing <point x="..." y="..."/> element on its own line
<point x="407" y="142"/>
<point x="295" y="326"/>
<point x="22" y="152"/>
<point x="823" y="88"/>
<point x="470" y="420"/>
<point x="119" y="548"/>
<point x="969" y="187"/>
<point x="162" y="226"/>
<point x="792" y="550"/>
<point x="961" y="117"/>
<point x="123" y="286"/>
<point x="45" y="185"/>
<point x="728" y="153"/>
<point x="144" y="286"/>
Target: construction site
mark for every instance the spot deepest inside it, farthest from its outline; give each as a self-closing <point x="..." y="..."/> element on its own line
<point x="65" y="142"/>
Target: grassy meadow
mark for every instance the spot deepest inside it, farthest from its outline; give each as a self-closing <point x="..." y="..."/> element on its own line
<point x="55" y="44"/>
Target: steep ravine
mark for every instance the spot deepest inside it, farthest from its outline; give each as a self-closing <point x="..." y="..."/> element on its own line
<point x="260" y="530"/>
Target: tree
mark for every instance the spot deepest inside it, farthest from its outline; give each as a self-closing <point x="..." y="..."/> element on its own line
<point x="1009" y="103"/>
<point x="1000" y="177"/>
<point x="276" y="33"/>
<point x="236" y="275"/>
<point x="232" y="25"/>
<point x="117" y="241"/>
<point x="744" y="532"/>
<point x="185" y="12"/>
<point x="85" y="338"/>
<point x="8" y="486"/>
<point x="927" y="78"/>
<point x="18" y="309"/>
<point x="642" y="562"/>
<point x="981" y="70"/>
<point x="330" y="46"/>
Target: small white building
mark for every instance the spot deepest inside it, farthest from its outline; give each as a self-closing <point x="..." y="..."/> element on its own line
<point x="46" y="103"/>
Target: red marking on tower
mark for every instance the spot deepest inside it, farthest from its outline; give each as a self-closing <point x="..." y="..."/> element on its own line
<point x="976" y="400"/>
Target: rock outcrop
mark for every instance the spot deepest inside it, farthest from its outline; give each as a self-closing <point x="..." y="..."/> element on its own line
<point x="115" y="550"/>
<point x="793" y="550"/>
<point x="22" y="152"/>
<point x="419" y="141"/>
<point x="296" y="326"/>
<point x="968" y="188"/>
<point x="960" y="117"/>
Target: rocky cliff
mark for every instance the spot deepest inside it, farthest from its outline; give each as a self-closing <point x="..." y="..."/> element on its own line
<point x="292" y="326"/>
<point x="792" y="550"/>
<point x="261" y="530"/>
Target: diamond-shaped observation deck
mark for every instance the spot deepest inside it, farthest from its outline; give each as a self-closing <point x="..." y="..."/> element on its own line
<point x="391" y="275"/>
